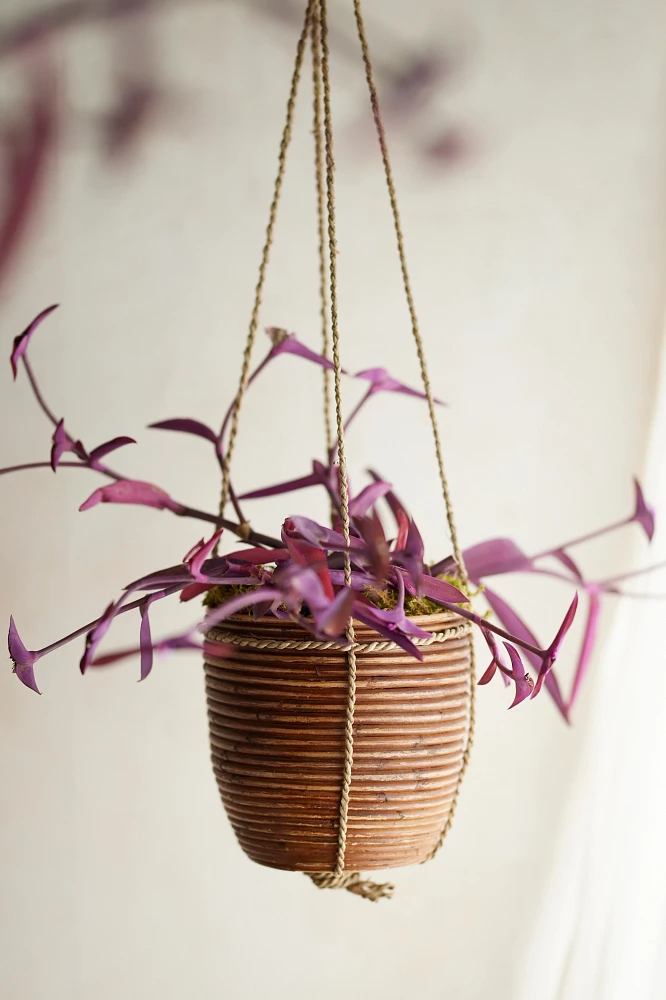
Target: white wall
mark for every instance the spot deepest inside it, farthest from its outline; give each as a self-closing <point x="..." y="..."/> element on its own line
<point x="538" y="269"/>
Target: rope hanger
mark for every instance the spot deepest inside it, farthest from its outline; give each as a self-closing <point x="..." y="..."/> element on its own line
<point x="315" y="28"/>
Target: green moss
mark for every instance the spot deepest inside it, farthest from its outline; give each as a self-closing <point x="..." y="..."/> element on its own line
<point x="384" y="599"/>
<point x="218" y="595"/>
<point x="387" y="599"/>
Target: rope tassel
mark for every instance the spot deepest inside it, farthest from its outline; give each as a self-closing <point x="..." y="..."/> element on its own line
<point x="352" y="882"/>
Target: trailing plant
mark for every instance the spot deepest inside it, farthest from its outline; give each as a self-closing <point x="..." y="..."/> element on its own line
<point x="298" y="574"/>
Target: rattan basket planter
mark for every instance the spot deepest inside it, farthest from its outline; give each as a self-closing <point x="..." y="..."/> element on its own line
<point x="277" y="724"/>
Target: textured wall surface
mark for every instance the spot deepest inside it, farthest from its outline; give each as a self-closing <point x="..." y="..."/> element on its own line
<point x="537" y="262"/>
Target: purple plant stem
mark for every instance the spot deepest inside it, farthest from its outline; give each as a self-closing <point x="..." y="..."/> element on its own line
<point x="354" y="413"/>
<point x="585" y="538"/>
<point x="86" y="628"/>
<point x="37" y="391"/>
<point x="629" y="576"/>
<point x="255" y="537"/>
<point x="484" y="623"/>
<point x="42" y="465"/>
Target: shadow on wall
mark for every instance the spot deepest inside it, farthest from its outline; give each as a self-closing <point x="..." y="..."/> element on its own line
<point x="33" y="124"/>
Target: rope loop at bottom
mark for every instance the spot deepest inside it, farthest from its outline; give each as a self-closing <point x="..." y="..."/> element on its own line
<point x="352" y="882"/>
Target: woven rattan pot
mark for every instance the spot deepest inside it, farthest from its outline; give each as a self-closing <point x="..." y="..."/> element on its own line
<point x="277" y="722"/>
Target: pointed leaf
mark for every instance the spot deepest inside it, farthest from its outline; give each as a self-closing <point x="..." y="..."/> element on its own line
<point x="498" y="555"/>
<point x="514" y="624"/>
<point x="284" y="343"/>
<point x="194" y="590"/>
<point x="197" y="555"/>
<point x="587" y="647"/>
<point x="186" y="426"/>
<point x="519" y="676"/>
<point x="382" y="381"/>
<point x="105" y="449"/>
<point x="567" y="561"/>
<point x="288" y="487"/>
<point x="644" y="513"/>
<point x="367" y="498"/>
<point x="554" y="648"/>
<point x="440" y="590"/>
<point x="334" y="620"/>
<point x="22" y="342"/>
<point x="132" y="491"/>
<point x="145" y="642"/>
<point x="23" y="659"/>
<point x="96" y="635"/>
<point x="238" y="603"/>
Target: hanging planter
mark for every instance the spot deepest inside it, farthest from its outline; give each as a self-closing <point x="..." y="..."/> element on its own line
<point x="339" y="663"/>
<point x="277" y="708"/>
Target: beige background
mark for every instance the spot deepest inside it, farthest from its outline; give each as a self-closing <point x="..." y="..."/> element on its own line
<point x="538" y="266"/>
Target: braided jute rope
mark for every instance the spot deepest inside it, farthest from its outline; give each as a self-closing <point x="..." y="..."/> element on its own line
<point x="316" y="26"/>
<point x="321" y="223"/>
<point x="265" y="254"/>
<point x="377" y="646"/>
<point x="339" y="422"/>
<point x="427" y="388"/>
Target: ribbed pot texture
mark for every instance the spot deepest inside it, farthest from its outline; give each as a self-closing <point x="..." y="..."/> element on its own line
<point x="277" y="733"/>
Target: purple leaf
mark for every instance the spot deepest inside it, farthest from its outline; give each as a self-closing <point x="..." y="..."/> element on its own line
<point x="379" y="556"/>
<point x="567" y="561"/>
<point x="135" y="492"/>
<point x="23" y="340"/>
<point x="96" y="635"/>
<point x="146" y="646"/>
<point x="313" y="557"/>
<point x="145" y="642"/>
<point x="587" y="646"/>
<point x="381" y="381"/>
<point x="61" y="444"/>
<point x="554" y="648"/>
<point x="102" y="450"/>
<point x="23" y="659"/>
<point x="257" y="555"/>
<point x="368" y="497"/>
<point x="368" y="614"/>
<point x="488" y="674"/>
<point x="518" y="675"/>
<point x="199" y="553"/>
<point x="194" y="590"/>
<point x="320" y="476"/>
<point x="287" y="343"/>
<point x="409" y="551"/>
<point x="514" y="624"/>
<point x="644" y="513"/>
<point x="334" y="619"/>
<point x="317" y="534"/>
<point x="289" y="487"/>
<point x="298" y="583"/>
<point x="187" y="426"/>
<point x="359" y="581"/>
<point x="498" y="555"/>
<point x="393" y="623"/>
<point x="497" y="661"/>
<point x="238" y="603"/>
<point x="440" y="590"/>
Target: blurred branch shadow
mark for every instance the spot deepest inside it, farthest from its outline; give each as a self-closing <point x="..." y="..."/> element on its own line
<point x="410" y="81"/>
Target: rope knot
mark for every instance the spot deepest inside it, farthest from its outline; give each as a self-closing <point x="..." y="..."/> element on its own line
<point x="352" y="882"/>
<point x="277" y="335"/>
